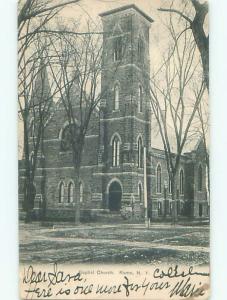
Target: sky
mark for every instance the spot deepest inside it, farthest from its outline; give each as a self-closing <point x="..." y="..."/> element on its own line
<point x="159" y="38"/>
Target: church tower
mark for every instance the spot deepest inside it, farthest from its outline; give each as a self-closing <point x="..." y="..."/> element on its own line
<point x="125" y="107"/>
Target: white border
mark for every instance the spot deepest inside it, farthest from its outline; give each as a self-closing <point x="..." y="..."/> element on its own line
<point x="218" y="109"/>
<point x="8" y="150"/>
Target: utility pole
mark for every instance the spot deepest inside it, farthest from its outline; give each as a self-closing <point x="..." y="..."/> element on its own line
<point x="165" y="199"/>
<point x="145" y="186"/>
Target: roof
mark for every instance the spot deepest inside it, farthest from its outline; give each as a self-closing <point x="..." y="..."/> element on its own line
<point x="122" y="8"/>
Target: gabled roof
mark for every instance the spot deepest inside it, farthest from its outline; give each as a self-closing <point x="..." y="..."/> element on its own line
<point x="122" y="8"/>
<point x="41" y="90"/>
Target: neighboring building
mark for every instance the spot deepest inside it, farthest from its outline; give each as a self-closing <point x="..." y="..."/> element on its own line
<point x="112" y="172"/>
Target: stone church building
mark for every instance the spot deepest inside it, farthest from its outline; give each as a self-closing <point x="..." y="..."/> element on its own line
<point x="112" y="172"/>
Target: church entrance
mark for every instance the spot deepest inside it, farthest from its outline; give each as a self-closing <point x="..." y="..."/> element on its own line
<point x="115" y="194"/>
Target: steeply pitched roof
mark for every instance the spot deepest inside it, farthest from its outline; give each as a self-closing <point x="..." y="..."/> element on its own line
<point x="41" y="91"/>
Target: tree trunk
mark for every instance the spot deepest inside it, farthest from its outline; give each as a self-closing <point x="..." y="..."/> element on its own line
<point x="28" y="201"/>
<point x="77" y="163"/>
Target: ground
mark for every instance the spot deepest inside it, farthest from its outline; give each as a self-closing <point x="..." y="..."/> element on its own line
<point x="122" y="243"/>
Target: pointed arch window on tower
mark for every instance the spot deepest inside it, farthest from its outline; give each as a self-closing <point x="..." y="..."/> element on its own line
<point x="117" y="48"/>
<point x="140" y="99"/>
<point x="70" y="192"/>
<point x="200" y="178"/>
<point x="140" y="153"/>
<point x="115" y="152"/>
<point x="181" y="182"/>
<point x="159" y="179"/>
<point x="116" y="97"/>
<point x="61" y="192"/>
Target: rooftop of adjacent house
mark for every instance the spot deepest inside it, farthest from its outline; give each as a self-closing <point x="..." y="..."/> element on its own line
<point x="122" y="8"/>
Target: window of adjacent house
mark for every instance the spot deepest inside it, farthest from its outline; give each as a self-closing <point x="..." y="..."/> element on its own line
<point x="140" y="193"/>
<point x="115" y="152"/>
<point x="140" y="50"/>
<point x="61" y="193"/>
<point x="159" y="179"/>
<point x="140" y="153"/>
<point x="81" y="192"/>
<point x="116" y="97"/>
<point x="181" y="182"/>
<point x="140" y="100"/>
<point x="200" y="178"/>
<point x="70" y="192"/>
<point x="118" y="48"/>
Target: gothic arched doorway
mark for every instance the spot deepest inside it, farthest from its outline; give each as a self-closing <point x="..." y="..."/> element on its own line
<point x="115" y="194"/>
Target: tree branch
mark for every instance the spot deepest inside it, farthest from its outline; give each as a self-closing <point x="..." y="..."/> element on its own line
<point x="177" y="12"/>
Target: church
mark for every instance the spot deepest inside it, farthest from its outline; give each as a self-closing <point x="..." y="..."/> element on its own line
<point x="116" y="179"/>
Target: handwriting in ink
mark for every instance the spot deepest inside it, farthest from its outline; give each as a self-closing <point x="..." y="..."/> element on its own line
<point x="185" y="288"/>
<point x="175" y="273"/>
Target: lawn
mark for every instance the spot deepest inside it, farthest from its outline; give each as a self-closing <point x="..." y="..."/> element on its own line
<point x="126" y="244"/>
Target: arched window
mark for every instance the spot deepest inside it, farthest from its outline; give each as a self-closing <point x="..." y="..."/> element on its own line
<point x="140" y="153"/>
<point x="200" y="178"/>
<point x="32" y="128"/>
<point x="117" y="48"/>
<point x="32" y="159"/>
<point x="70" y="192"/>
<point x="171" y="208"/>
<point x="116" y="97"/>
<point x="61" y="192"/>
<point x="181" y="182"/>
<point x="81" y="190"/>
<point x="115" y="152"/>
<point x="159" y="179"/>
<point x="140" y="99"/>
<point x="140" y="193"/>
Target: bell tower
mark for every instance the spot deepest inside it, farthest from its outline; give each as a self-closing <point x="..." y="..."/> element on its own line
<point x="125" y="106"/>
<point x="126" y="61"/>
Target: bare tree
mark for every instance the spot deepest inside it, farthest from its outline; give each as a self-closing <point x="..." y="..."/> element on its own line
<point x="35" y="100"/>
<point x="30" y="9"/>
<point x="173" y="104"/>
<point x="78" y="67"/>
<point x="195" y="22"/>
<point x="203" y="116"/>
<point x="77" y="70"/>
<point x="37" y="20"/>
<point x="33" y="17"/>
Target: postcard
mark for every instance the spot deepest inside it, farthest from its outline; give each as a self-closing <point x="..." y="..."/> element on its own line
<point x="113" y="122"/>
